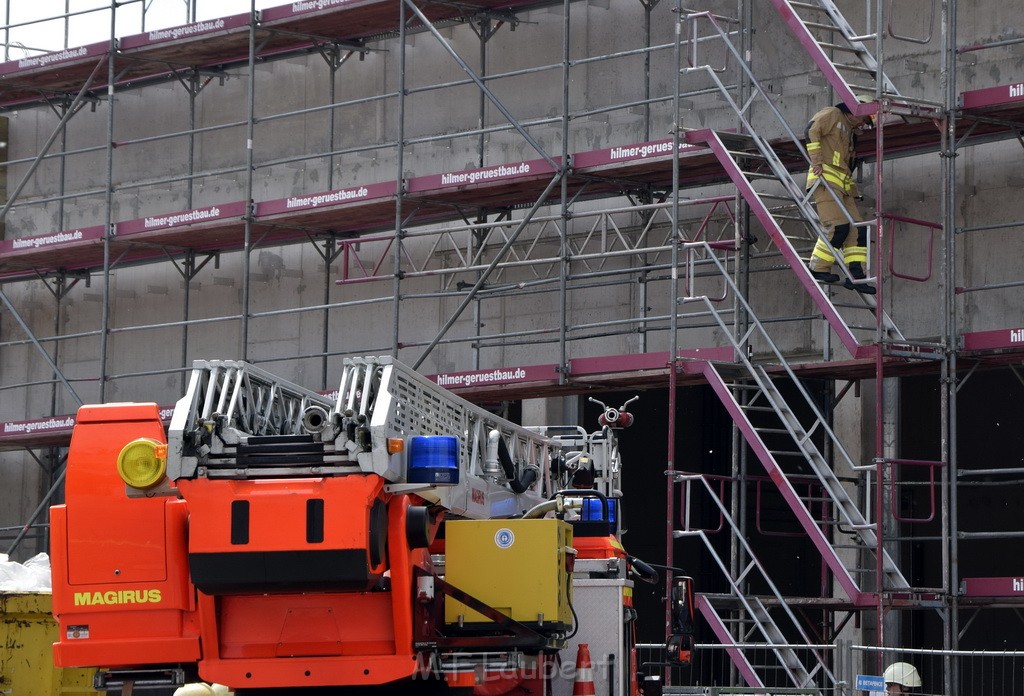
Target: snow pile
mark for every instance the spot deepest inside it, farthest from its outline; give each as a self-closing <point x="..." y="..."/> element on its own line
<point x="31" y="576"/>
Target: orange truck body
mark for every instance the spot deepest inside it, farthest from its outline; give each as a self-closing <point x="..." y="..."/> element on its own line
<point x="121" y="591"/>
<point x="265" y="583"/>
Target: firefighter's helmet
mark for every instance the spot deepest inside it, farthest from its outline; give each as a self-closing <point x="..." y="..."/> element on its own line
<point x="868" y="99"/>
<point x="902" y="673"/>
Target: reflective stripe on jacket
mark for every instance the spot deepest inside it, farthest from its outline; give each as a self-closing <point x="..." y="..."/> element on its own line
<point x="830" y="144"/>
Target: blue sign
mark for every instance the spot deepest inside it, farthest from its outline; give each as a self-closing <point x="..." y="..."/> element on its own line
<point x="867" y="682"/>
<point x="504" y="538"/>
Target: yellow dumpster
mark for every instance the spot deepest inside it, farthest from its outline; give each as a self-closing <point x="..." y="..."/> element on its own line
<point x="27" y="633"/>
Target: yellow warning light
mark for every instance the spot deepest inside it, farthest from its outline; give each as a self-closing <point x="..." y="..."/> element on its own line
<point x="142" y="463"/>
<point x="395" y="445"/>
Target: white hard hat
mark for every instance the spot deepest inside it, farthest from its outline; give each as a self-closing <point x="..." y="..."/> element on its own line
<point x="194" y="690"/>
<point x="201" y="689"/>
<point x="902" y="673"/>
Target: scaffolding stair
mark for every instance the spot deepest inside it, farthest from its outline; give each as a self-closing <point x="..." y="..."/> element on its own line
<point x="850" y="517"/>
<point x="739" y="658"/>
<point x="748" y="620"/>
<point x="742" y="179"/>
<point x="761" y="162"/>
<point x="839" y="52"/>
<point x="760" y="393"/>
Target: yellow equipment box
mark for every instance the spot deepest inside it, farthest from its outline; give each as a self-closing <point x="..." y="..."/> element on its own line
<point x="27" y="634"/>
<point x="519" y="567"/>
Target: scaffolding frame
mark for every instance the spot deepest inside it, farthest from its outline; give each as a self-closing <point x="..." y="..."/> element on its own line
<point x="579" y="257"/>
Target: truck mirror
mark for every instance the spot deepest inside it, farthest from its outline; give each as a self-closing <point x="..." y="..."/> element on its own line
<point x="680" y="642"/>
<point x="682" y="605"/>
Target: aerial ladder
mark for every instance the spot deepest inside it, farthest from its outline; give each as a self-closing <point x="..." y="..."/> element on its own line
<point x="396" y="537"/>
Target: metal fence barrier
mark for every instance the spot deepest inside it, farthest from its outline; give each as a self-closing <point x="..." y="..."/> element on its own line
<point x="942" y="672"/>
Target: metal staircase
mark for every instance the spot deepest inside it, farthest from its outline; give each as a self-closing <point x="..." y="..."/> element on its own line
<point x="837" y="50"/>
<point x="747" y="617"/>
<point x="844" y="59"/>
<point x="793" y="440"/>
<point x="759" y="202"/>
<point x="754" y="165"/>
<point x="763" y="394"/>
<point x="849" y="517"/>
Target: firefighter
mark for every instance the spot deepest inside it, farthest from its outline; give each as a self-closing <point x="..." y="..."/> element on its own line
<point x="900" y="677"/>
<point x="831" y="137"/>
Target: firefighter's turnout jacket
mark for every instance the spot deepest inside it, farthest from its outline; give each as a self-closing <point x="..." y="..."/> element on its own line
<point x="830" y="144"/>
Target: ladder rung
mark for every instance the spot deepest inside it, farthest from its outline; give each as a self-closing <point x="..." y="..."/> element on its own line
<point x="850" y="305"/>
<point x="861" y="547"/>
<point x="780" y="453"/>
<point x="839" y="47"/>
<point x="807" y="6"/>
<point x="772" y="431"/>
<point x="744" y="153"/>
<point x="762" y="409"/>
<point x="817" y="499"/>
<point x="857" y="68"/>
<point x="822" y="26"/>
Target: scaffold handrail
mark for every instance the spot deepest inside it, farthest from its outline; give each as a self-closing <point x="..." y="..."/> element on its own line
<point x="890" y="13"/>
<point x="797" y="672"/>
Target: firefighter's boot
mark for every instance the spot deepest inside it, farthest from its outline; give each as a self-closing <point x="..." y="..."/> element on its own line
<point x="857" y="271"/>
<point x="825" y="277"/>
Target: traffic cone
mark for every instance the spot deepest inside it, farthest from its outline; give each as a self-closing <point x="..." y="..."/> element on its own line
<point x="584" y="684"/>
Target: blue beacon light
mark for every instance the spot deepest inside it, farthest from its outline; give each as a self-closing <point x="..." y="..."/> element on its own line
<point x="593" y="512"/>
<point x="434" y="459"/>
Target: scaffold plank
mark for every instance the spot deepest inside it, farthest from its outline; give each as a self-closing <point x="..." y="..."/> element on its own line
<point x="992" y="587"/>
<point x="224" y="41"/>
